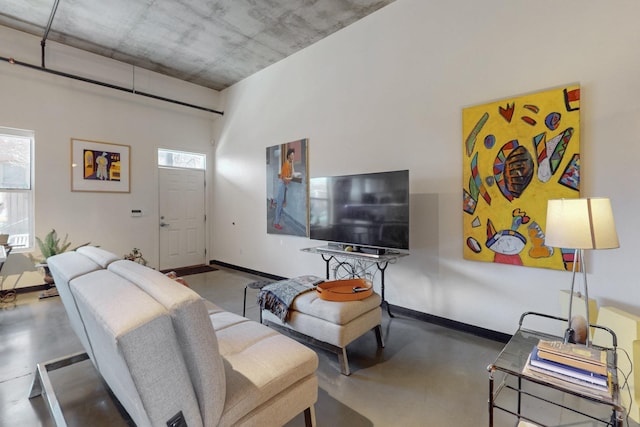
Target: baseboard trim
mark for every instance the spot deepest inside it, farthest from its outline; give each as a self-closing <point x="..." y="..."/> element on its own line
<point x="396" y="309"/>
<point x="32" y="288"/>
<point x="246" y="270"/>
<point x="451" y="324"/>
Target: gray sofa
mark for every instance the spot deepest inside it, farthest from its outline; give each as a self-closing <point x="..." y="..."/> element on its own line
<point x="172" y="358"/>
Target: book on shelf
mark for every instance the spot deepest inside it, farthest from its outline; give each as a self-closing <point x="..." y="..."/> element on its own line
<point x="568" y="376"/>
<point x="567" y="383"/>
<point x="575" y="355"/>
<point x="570" y="371"/>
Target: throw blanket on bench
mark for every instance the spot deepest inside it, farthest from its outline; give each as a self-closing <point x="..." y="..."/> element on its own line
<point x="277" y="297"/>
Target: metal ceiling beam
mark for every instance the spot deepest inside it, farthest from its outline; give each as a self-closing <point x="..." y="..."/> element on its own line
<point x="43" y="43"/>
<point x="108" y="85"/>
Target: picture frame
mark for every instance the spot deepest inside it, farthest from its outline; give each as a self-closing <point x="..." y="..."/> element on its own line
<point x="288" y="199"/>
<point x="518" y="153"/>
<point x="100" y="166"/>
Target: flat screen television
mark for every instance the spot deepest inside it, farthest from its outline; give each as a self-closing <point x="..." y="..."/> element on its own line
<point x="365" y="211"/>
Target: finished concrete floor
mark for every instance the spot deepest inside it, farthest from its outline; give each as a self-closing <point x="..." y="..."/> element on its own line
<point x="427" y="375"/>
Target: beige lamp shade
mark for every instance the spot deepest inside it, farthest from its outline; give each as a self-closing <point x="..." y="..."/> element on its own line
<point x="581" y="224"/>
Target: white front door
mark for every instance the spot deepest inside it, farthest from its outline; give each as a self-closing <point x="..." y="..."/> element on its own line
<point x="182" y="217"/>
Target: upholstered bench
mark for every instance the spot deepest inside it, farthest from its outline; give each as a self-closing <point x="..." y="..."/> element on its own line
<point x="330" y="325"/>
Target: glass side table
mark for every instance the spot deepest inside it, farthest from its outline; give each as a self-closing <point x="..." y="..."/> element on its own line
<point x="511" y="362"/>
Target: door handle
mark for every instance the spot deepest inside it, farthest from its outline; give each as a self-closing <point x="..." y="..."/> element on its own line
<point x="164" y="224"/>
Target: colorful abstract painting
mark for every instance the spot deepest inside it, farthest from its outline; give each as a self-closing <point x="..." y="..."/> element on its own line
<point x="517" y="154"/>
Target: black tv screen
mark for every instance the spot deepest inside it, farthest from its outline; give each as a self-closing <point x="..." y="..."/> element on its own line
<point x="365" y="210"/>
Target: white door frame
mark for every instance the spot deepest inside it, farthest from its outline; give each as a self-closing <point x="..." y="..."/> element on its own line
<point x="185" y="239"/>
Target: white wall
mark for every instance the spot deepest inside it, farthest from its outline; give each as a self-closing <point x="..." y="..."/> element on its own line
<point x="388" y="92"/>
<point x="59" y="109"/>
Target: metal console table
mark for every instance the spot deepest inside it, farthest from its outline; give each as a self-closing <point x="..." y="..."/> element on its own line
<point x="512" y="360"/>
<point x="356" y="264"/>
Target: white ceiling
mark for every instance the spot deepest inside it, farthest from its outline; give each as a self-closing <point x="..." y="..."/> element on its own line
<point x="212" y="43"/>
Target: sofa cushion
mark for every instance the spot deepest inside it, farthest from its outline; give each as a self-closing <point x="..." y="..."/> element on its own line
<point x="99" y="256"/>
<point x="64" y="267"/>
<point x="259" y="364"/>
<point x="278" y="411"/>
<point x="194" y="332"/>
<point x="339" y="313"/>
<point x="221" y="319"/>
<point x="136" y="349"/>
<point x="69" y="265"/>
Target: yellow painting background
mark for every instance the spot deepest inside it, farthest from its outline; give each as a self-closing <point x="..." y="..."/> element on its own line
<point x="532" y="202"/>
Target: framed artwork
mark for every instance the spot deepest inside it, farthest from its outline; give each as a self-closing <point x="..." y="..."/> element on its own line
<point x="517" y="154"/>
<point x="100" y="166"/>
<point x="288" y="188"/>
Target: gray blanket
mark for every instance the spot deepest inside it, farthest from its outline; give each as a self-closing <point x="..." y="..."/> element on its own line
<point x="277" y="297"/>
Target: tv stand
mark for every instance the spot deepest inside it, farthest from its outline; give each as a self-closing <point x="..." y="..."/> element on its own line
<point x="338" y="250"/>
<point x="351" y="264"/>
<point x="369" y="251"/>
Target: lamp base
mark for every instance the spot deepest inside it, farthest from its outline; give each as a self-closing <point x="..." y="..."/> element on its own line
<point x="576" y="333"/>
<point x="579" y="304"/>
<point x="569" y="336"/>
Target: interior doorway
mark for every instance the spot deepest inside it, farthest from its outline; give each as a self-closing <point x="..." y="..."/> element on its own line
<point x="182" y="217"/>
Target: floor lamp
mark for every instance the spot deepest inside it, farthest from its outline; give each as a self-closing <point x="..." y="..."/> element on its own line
<point x="580" y="224"/>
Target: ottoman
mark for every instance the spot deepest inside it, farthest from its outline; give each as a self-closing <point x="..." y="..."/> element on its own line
<point x="329" y="324"/>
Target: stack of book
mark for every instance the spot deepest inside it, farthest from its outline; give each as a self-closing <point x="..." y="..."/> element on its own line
<point x="575" y="366"/>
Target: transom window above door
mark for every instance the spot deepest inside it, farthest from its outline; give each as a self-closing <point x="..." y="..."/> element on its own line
<point x="181" y="159"/>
